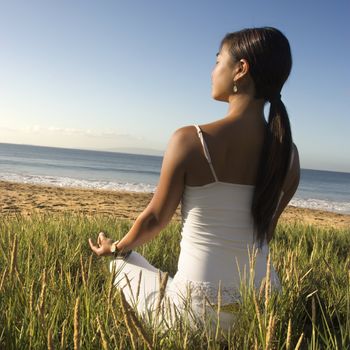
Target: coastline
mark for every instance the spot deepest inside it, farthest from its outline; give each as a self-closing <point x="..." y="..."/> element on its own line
<point x="21" y="198"/>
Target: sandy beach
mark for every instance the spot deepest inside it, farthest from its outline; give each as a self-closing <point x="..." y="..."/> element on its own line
<point x="25" y="199"/>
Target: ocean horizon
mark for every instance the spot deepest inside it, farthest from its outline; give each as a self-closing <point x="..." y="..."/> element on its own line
<point x="117" y="171"/>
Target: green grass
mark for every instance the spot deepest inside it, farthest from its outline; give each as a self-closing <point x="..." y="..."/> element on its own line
<point x="46" y="266"/>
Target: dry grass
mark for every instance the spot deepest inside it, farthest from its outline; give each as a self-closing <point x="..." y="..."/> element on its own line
<point x="55" y="294"/>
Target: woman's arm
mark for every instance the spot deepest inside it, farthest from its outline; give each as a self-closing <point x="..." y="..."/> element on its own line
<point x="289" y="190"/>
<point x="167" y="197"/>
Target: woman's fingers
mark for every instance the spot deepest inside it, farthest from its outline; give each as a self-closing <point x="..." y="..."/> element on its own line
<point x="92" y="246"/>
<point x="102" y="247"/>
<point x="98" y="250"/>
<point x="101" y="237"/>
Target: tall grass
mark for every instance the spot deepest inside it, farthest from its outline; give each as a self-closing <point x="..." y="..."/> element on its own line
<point x="55" y="295"/>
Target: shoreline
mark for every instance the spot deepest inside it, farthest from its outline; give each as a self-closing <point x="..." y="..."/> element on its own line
<point x="21" y="198"/>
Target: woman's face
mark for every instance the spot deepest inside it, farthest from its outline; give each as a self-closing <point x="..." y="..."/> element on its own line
<point x="222" y="76"/>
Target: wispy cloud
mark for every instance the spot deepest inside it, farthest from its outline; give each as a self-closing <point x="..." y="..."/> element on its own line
<point x="74" y="137"/>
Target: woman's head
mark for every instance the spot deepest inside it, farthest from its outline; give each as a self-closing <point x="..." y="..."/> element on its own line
<point x="261" y="55"/>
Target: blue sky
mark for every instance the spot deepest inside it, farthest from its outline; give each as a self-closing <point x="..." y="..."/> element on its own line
<point x="126" y="74"/>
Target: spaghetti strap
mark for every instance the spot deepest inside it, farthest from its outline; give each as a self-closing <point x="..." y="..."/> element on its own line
<point x="206" y="151"/>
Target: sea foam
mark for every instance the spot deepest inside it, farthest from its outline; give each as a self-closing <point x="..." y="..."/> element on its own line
<point x="62" y="181"/>
<point x="320" y="204"/>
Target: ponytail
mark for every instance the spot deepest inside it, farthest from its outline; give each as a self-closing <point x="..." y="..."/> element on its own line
<point x="272" y="169"/>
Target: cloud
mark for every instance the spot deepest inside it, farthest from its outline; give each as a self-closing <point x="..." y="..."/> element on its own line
<point x="65" y="131"/>
<point x="74" y="131"/>
<point x="74" y="137"/>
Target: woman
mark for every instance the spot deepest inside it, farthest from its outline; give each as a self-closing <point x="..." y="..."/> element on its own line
<point x="234" y="177"/>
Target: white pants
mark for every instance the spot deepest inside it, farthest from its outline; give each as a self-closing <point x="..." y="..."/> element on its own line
<point x="143" y="294"/>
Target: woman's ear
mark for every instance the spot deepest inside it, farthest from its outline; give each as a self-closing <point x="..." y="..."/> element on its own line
<point x="241" y="69"/>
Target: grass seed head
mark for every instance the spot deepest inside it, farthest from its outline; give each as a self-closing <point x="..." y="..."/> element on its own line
<point x="77" y="324"/>
<point x="104" y="342"/>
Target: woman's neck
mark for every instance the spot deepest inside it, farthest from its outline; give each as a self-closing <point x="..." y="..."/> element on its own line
<point x="244" y="107"/>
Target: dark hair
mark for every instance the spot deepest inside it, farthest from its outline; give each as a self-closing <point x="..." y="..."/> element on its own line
<point x="268" y="53"/>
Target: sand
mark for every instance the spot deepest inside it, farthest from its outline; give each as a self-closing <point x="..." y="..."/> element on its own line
<point x="17" y="198"/>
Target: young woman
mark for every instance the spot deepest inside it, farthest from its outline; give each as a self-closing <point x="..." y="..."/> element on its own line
<point x="234" y="177"/>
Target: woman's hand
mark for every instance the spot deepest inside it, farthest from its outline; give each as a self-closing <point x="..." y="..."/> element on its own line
<point x="103" y="246"/>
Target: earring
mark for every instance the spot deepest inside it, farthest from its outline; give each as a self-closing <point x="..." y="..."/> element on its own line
<point x="235" y="89"/>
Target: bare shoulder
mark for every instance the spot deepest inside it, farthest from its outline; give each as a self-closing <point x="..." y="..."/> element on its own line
<point x="182" y="143"/>
<point x="184" y="138"/>
<point x="184" y="133"/>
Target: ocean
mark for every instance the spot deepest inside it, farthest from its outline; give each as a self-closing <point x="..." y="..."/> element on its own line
<point x="324" y="190"/>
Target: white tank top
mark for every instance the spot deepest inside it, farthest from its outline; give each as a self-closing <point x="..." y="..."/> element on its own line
<point x="217" y="233"/>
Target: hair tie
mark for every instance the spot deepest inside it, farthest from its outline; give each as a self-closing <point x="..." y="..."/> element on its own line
<point x="275" y="98"/>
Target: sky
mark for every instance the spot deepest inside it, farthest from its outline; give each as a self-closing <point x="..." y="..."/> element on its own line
<point x="126" y="74"/>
